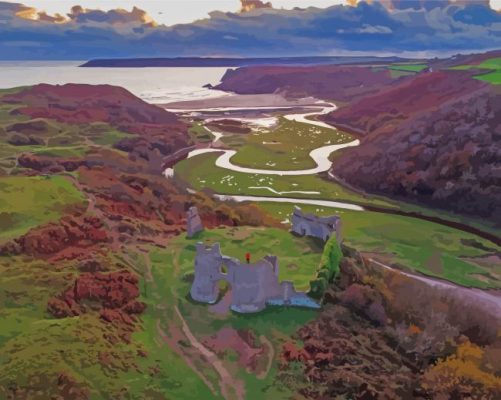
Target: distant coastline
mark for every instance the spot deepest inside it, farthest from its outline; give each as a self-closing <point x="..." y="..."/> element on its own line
<point x="232" y="62"/>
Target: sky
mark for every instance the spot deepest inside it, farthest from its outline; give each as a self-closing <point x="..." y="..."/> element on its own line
<point x="172" y="12"/>
<point x="167" y="12"/>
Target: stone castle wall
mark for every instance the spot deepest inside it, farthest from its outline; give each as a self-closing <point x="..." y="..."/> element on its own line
<point x="193" y="222"/>
<point x="253" y="285"/>
<point x="322" y="228"/>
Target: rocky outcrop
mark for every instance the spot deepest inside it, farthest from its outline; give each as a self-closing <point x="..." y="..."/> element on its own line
<point x="194" y="224"/>
<point x="322" y="228"/>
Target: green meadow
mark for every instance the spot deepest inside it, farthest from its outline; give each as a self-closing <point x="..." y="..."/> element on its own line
<point x="172" y="268"/>
<point x="413" y="244"/>
<point x="26" y="202"/>
<point x="285" y="147"/>
<point x="492" y="67"/>
<point x="408" y="67"/>
<point x="201" y="173"/>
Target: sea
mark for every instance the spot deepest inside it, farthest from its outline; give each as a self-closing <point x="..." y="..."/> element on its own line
<point x="154" y="85"/>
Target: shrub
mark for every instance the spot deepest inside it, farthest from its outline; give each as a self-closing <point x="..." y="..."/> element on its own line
<point x="462" y="375"/>
<point x="328" y="269"/>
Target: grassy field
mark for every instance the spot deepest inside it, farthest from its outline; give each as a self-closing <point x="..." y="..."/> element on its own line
<point x="200" y="172"/>
<point x="200" y="133"/>
<point x="414" y="244"/>
<point x="287" y="146"/>
<point x="493" y="64"/>
<point x="53" y="138"/>
<point x="408" y="67"/>
<point x="26" y="202"/>
<point x="299" y="258"/>
<point x="37" y="347"/>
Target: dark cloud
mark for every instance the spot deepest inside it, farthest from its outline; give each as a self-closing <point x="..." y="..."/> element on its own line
<point x="396" y="27"/>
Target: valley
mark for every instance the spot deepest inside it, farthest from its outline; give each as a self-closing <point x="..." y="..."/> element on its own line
<point x="95" y="187"/>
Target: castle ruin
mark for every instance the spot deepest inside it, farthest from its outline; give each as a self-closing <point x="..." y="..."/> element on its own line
<point x="323" y="228"/>
<point x="193" y="222"/>
<point x="253" y="285"/>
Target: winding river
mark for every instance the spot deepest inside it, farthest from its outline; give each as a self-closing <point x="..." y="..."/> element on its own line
<point x="319" y="155"/>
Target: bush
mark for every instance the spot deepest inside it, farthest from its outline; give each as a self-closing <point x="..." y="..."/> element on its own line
<point x="328" y="269"/>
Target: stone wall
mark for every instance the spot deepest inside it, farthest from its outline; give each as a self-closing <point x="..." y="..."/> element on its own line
<point x="193" y="222"/>
<point x="322" y="228"/>
<point x="253" y="285"/>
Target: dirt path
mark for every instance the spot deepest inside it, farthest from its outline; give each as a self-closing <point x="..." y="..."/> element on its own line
<point x="230" y="387"/>
<point x="271" y="356"/>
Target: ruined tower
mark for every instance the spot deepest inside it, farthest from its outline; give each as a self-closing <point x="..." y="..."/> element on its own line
<point x="193" y="222"/>
<point x="253" y="286"/>
<point x="312" y="225"/>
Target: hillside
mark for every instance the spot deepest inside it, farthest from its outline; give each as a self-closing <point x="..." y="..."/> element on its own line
<point x="331" y="82"/>
<point x="429" y="132"/>
<point x="434" y="139"/>
<point x="82" y="203"/>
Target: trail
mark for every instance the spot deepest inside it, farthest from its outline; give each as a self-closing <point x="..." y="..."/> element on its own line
<point x="229" y="385"/>
<point x="231" y="388"/>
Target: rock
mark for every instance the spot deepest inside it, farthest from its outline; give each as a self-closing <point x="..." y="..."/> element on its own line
<point x="18" y="139"/>
<point x="193" y="222"/>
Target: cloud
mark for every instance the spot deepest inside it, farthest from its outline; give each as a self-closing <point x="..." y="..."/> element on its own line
<point x="250" y="5"/>
<point x="395" y="27"/>
<point x="113" y="17"/>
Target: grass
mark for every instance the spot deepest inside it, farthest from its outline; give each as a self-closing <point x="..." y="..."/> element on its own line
<point x="26" y="202"/>
<point x="413" y="244"/>
<point x="492" y="67"/>
<point x="56" y="152"/>
<point x="408" y="67"/>
<point x="199" y="133"/>
<point x="60" y="139"/>
<point x="200" y="172"/>
<point x="298" y="257"/>
<point x="287" y="146"/>
<point x="36" y="348"/>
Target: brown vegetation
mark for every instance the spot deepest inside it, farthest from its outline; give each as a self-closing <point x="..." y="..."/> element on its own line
<point x="383" y="335"/>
